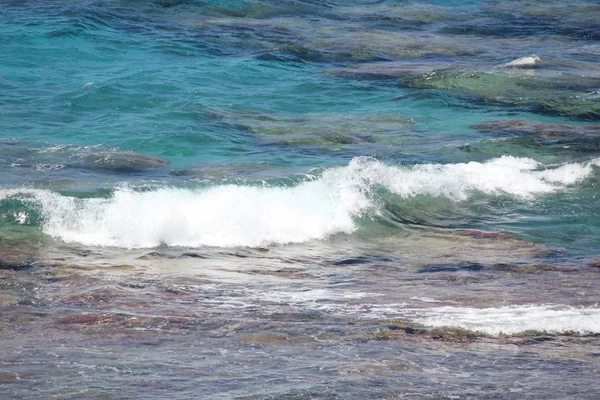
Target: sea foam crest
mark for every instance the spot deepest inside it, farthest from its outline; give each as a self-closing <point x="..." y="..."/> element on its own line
<point x="510" y="320"/>
<point x="221" y="216"/>
<point x="237" y="215"/>
<point x="519" y="177"/>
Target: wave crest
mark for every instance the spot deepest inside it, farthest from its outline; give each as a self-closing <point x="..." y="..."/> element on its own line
<point x="237" y="215"/>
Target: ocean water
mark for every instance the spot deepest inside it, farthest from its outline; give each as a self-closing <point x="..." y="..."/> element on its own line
<point x="299" y="199"/>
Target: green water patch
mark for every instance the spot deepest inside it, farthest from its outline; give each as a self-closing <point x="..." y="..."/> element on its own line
<point x="569" y="72"/>
<point x="570" y="96"/>
<point x="20" y="247"/>
<point x="408" y="15"/>
<point x="530" y="137"/>
<point x="21" y="240"/>
<point x="377" y="45"/>
<point x="322" y="33"/>
<point x="390" y="70"/>
<point x="543" y="129"/>
<point x="273" y="173"/>
<point x="327" y="130"/>
<point x="331" y="38"/>
<point x="24" y="155"/>
<point x="19" y="210"/>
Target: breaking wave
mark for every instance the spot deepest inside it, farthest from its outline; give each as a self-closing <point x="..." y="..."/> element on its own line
<point x="510" y="320"/>
<point x="246" y="215"/>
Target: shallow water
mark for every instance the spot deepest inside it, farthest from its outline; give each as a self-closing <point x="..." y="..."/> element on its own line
<point x="304" y="199"/>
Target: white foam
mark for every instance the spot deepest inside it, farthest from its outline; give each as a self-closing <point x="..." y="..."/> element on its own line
<point x="523" y="62"/>
<point x="511" y="320"/>
<point x="505" y="320"/>
<point x="567" y="174"/>
<point x="236" y="215"/>
<point x="223" y="216"/>
<point x="519" y="177"/>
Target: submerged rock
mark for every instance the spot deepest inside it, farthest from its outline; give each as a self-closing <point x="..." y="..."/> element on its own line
<point x="170" y="3"/>
<point x="561" y="137"/>
<point x="287" y="273"/>
<point x="485" y="84"/>
<point x="231" y="172"/>
<point x="8" y="377"/>
<point x="123" y="161"/>
<point x="317" y="129"/>
<point x="309" y="39"/>
<point x="595" y="264"/>
<point x="19" y="251"/>
<point x="96" y="157"/>
<point x="578" y="19"/>
<point x="564" y="73"/>
<point x="576" y="98"/>
<point x="544" y="129"/>
<point x="389" y="70"/>
<point x="525" y="268"/>
<point x="395" y="330"/>
<point x="380" y="45"/>
<point x="477" y="234"/>
<point x="261" y="338"/>
<point x="82" y="157"/>
<point x="584" y="107"/>
<point x="519" y="136"/>
<point x="394" y="14"/>
<point x="83" y="319"/>
<point x="453" y="267"/>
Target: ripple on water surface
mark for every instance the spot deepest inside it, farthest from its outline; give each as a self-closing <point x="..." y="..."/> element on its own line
<point x="299" y="199"/>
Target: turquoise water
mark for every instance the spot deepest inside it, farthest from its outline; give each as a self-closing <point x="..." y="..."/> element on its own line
<point x="338" y="139"/>
<point x="258" y="86"/>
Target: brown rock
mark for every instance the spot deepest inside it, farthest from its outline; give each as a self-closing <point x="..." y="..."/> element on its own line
<point x="8" y="377"/>
<point x="485" y="234"/>
<point x="83" y="319"/>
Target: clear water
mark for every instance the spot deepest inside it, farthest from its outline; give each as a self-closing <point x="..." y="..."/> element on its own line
<point x="270" y="191"/>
